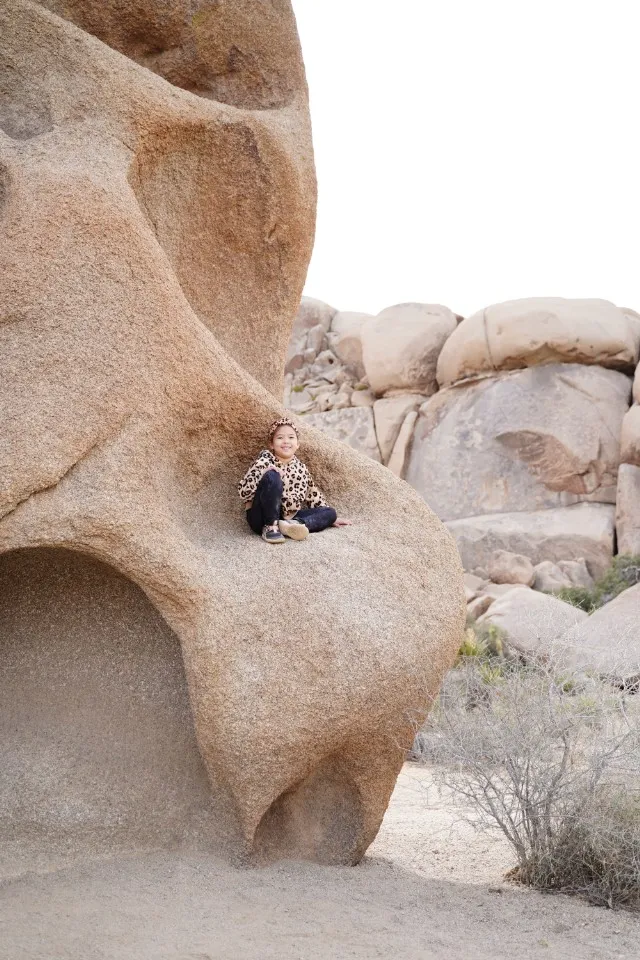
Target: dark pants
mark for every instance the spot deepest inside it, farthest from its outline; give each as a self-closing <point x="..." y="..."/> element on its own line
<point x="267" y="506"/>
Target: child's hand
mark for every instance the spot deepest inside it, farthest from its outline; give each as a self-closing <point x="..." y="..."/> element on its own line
<point x="342" y="522"/>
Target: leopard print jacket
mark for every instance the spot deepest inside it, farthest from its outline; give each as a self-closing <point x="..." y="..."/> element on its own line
<point x="298" y="487"/>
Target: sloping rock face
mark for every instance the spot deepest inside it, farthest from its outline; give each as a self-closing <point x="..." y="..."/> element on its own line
<point x="608" y="642"/>
<point x="585" y="530"/>
<point x="535" y="439"/>
<point x="156" y="219"/>
<point x="532" y="621"/>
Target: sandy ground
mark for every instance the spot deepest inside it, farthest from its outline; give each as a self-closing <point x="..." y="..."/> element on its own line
<point x="430" y="888"/>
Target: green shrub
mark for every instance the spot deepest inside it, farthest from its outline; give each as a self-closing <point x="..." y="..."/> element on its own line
<point x="623" y="573"/>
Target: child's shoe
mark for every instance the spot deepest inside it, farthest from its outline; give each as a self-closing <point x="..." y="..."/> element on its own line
<point x="272" y="535"/>
<point x="294" y="529"/>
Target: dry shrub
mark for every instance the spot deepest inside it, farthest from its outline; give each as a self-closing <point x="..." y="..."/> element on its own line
<point x="552" y="761"/>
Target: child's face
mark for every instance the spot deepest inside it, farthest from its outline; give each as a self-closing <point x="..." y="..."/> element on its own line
<point x="284" y="443"/>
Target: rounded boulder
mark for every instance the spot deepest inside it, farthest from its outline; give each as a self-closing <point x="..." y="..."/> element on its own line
<point x="401" y="345"/>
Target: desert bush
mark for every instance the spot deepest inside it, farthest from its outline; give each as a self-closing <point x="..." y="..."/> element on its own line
<point x="553" y="762"/>
<point x="624" y="572"/>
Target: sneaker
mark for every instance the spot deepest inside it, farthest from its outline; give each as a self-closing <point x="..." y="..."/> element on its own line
<point x="294" y="529"/>
<point x="272" y="535"/>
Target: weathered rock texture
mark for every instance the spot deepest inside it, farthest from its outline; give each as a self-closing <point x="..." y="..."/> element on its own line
<point x="156" y="220"/>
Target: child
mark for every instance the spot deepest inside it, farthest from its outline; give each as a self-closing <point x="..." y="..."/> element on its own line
<point x="279" y="494"/>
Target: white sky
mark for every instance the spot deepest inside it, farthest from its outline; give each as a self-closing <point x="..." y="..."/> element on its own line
<point x="473" y="151"/>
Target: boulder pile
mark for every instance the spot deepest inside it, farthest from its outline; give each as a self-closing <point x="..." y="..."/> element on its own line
<point x="514" y="424"/>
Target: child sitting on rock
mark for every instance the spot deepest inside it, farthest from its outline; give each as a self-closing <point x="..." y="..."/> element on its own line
<point x="279" y="494"/>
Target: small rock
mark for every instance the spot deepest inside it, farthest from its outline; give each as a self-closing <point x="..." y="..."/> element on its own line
<point x="506" y="567"/>
<point x="549" y="577"/>
<point x="577" y="572"/>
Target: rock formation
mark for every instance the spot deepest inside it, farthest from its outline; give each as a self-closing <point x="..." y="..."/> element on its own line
<point x="156" y="219"/>
<point x="514" y="425"/>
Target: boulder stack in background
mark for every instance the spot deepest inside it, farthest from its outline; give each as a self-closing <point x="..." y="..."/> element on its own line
<point x="514" y="425"/>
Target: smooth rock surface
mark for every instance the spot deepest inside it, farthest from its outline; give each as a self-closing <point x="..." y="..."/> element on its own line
<point x="153" y="249"/>
<point x="608" y="642"/>
<point x="530" y="440"/>
<point x="353" y="426"/>
<point x="586" y="530"/>
<point x="401" y="345"/>
<point x="523" y="333"/>
<point x="95" y="723"/>
<point x="532" y="621"/>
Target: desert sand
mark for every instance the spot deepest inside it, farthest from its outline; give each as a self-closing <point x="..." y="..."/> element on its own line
<point x="430" y="887"/>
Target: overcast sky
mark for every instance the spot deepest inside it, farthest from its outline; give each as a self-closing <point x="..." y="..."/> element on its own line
<point x="474" y="152"/>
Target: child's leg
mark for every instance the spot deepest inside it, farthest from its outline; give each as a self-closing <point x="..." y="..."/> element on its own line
<point x="265" y="509"/>
<point x="317" y="518"/>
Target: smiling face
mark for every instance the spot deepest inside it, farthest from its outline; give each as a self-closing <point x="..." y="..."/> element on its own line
<point x="284" y="443"/>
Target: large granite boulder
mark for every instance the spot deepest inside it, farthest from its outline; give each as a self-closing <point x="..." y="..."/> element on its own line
<point x="156" y="220"/>
<point x="523" y="333"/>
<point x="401" y="345"/>
<point x="534" y="439"/>
<point x="585" y="530"/>
<point x="530" y="621"/>
<point x="608" y="642"/>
